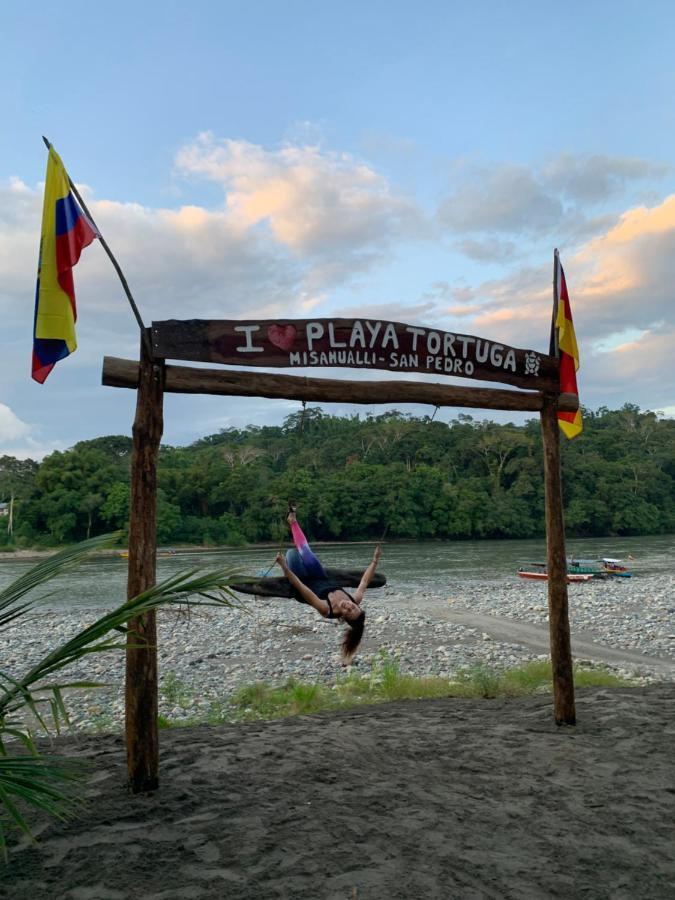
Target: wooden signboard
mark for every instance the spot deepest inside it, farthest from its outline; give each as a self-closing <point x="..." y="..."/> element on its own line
<point x="353" y="344"/>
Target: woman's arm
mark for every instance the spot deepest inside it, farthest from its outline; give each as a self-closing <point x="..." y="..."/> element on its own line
<point x="319" y="605"/>
<point x="367" y="575"/>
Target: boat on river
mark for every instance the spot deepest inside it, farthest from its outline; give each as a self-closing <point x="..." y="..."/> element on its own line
<point x="615" y="567"/>
<point x="580" y="569"/>
<point x="537" y="572"/>
<point x="599" y="567"/>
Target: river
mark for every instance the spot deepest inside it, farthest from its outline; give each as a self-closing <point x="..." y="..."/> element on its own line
<point x="433" y="567"/>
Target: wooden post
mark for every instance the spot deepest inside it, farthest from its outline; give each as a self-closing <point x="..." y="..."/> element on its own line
<point x="141" y="660"/>
<point x="556" y="566"/>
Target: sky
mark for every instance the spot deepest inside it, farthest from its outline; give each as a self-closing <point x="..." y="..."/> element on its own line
<point x="411" y="161"/>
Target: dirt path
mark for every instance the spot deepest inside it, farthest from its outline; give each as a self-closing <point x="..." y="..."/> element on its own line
<point x="536" y="637"/>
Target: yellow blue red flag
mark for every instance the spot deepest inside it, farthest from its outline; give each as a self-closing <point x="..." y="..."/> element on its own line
<point x="570" y="423"/>
<point x="66" y="231"/>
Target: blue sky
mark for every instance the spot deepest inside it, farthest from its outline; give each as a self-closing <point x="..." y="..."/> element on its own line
<point x="412" y="161"/>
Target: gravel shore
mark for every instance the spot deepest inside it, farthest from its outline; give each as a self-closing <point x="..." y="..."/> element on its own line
<point x="208" y="654"/>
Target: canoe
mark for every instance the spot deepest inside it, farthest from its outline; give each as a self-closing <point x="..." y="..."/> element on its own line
<point x="615" y="567"/>
<point x="543" y="576"/>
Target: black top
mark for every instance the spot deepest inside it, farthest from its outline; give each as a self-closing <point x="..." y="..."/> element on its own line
<point x="322" y="587"/>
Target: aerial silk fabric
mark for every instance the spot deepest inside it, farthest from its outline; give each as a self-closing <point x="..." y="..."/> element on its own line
<point x="66" y="231"/>
<point x="570" y="422"/>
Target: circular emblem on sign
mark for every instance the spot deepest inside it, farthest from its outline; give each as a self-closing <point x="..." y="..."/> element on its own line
<point x="532" y="364"/>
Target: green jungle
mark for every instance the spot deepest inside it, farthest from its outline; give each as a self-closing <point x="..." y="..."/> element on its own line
<point x="356" y="478"/>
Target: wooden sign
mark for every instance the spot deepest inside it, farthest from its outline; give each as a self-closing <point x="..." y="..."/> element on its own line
<point x="352" y="344"/>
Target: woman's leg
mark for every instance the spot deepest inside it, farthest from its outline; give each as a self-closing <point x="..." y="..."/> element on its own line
<point x="309" y="560"/>
<point x="296" y="565"/>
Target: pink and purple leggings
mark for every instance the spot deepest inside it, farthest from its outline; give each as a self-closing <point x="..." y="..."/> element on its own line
<point x="302" y="561"/>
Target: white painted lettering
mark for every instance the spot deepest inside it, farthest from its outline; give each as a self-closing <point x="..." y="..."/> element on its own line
<point x="331" y="337"/>
<point x="510" y="361"/>
<point x="496" y="357"/>
<point x="449" y="343"/>
<point x="374" y="331"/>
<point x="433" y="342"/>
<point x="390" y="335"/>
<point x="314" y="333"/>
<point x="482" y="351"/>
<point x="466" y="340"/>
<point x="415" y="333"/>
<point x="468" y="367"/>
<point x="248" y="331"/>
<point x="357" y="336"/>
<point x="294" y="359"/>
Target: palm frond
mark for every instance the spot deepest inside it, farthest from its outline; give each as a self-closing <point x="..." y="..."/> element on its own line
<point x="43" y="781"/>
<point x="190" y="588"/>
<point x="39" y="781"/>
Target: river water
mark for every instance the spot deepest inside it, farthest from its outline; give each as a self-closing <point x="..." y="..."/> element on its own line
<point x="430" y="567"/>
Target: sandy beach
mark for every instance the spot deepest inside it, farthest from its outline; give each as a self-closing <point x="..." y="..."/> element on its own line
<point x="448" y="799"/>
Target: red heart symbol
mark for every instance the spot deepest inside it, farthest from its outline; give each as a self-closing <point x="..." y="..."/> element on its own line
<point x="282" y="336"/>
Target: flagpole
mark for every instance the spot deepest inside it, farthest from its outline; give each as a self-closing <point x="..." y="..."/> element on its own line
<point x="553" y="344"/>
<point x="116" y="265"/>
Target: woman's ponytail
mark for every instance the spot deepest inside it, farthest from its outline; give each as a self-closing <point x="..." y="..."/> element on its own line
<point x="352" y="637"/>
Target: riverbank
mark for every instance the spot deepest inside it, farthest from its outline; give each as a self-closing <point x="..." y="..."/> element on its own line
<point x="440" y="798"/>
<point x="207" y="655"/>
<point x="34" y="555"/>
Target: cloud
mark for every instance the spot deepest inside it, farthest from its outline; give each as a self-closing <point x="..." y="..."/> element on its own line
<point x="11" y="426"/>
<point x="627" y="276"/>
<point x="520" y="200"/>
<point x="294" y="223"/>
<point x="623" y="279"/>
<point x="509" y="198"/>
<point x="327" y="207"/>
<point x="592" y="179"/>
<point x="492" y="250"/>
<point x="18" y="438"/>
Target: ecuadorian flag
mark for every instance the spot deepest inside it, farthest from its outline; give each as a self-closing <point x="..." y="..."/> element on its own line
<point x="570" y="423"/>
<point x="65" y="232"/>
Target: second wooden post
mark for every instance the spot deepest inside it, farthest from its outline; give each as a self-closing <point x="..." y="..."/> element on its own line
<point x="556" y="567"/>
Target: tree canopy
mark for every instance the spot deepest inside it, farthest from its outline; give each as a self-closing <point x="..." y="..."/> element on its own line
<point x="358" y="477"/>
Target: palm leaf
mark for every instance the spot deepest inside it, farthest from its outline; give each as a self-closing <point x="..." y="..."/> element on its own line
<point x="42" y="781"/>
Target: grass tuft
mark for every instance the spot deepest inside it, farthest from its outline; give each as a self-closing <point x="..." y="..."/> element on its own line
<point x="385" y="683"/>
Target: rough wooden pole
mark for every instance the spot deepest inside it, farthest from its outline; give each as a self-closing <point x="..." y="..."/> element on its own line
<point x="556" y="566"/>
<point x="141" y="661"/>
<point x="225" y="382"/>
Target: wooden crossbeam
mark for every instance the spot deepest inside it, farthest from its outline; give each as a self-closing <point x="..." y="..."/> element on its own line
<point x="188" y="380"/>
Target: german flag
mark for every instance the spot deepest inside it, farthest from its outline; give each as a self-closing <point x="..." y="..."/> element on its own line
<point x="570" y="423"/>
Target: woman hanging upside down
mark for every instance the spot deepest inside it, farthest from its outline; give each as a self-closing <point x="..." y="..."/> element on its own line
<point x="306" y="574"/>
